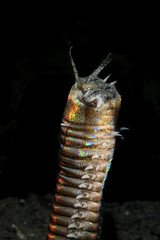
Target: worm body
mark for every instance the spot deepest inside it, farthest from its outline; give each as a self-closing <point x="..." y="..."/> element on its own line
<point x="87" y="147"/>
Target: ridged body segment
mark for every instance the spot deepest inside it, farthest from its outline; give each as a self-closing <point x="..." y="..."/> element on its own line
<point x="87" y="147"/>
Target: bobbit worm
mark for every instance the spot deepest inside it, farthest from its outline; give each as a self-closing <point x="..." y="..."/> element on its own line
<point x="87" y="148"/>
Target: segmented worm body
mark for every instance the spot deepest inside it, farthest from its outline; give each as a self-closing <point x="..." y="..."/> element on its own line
<point x="87" y="147"/>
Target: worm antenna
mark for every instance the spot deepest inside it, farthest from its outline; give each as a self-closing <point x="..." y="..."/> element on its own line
<point x="73" y="65"/>
<point x="106" y="79"/>
<point x="104" y="63"/>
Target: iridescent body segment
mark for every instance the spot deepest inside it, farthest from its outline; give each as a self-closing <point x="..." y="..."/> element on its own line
<point x="87" y="147"/>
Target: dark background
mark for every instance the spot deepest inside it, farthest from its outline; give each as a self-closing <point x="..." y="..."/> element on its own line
<point x="35" y="79"/>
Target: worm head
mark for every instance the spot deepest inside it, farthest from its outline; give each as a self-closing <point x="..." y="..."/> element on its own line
<point x="91" y="95"/>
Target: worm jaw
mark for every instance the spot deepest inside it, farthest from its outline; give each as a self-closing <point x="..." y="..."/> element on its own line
<point x="97" y="93"/>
